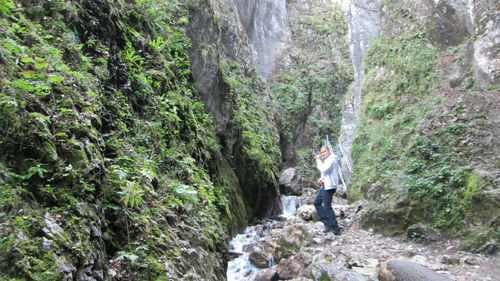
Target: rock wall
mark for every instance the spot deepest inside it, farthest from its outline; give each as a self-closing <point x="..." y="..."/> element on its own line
<point x="363" y="20"/>
<point x="268" y="31"/>
<point x="429" y="90"/>
<point x="110" y="166"/>
<point x="221" y="54"/>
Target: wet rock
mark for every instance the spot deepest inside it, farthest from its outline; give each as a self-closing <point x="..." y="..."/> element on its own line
<point x="266" y="275"/>
<point x="406" y="270"/>
<point x="260" y="258"/>
<point x="234" y="254"/>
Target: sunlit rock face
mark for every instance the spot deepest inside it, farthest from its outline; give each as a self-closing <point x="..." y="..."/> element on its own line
<point x="363" y="19"/>
<point x="266" y="25"/>
<point x="487" y="31"/>
<point x="465" y="18"/>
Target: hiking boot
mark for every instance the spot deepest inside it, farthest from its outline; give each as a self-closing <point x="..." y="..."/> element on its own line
<point x="327" y="229"/>
<point x="336" y="232"/>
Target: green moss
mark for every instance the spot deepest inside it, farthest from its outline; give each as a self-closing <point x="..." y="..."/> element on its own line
<point x="252" y="117"/>
<point x="324" y="276"/>
<point x="287" y="249"/>
<point x="410" y="142"/>
<point x="73" y="134"/>
<point x="472" y="188"/>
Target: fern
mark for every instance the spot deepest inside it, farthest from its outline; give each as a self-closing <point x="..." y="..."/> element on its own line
<point x="131" y="195"/>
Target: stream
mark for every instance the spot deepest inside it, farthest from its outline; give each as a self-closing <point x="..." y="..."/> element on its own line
<point x="240" y="268"/>
<point x="356" y="255"/>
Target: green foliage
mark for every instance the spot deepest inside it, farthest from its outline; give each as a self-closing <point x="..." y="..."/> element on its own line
<point x="5" y="7"/>
<point x="90" y="150"/>
<point x="494" y="87"/>
<point x="405" y="149"/>
<point x="131" y="194"/>
<point x="408" y="63"/>
<point x="308" y="94"/>
<point x="385" y="131"/>
<point x="252" y="118"/>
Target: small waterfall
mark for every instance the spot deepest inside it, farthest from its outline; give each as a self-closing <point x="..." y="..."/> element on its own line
<point x="240" y="268"/>
<point x="290" y="204"/>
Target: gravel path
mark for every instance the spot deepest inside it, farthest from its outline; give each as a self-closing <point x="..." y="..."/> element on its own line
<point x="363" y="250"/>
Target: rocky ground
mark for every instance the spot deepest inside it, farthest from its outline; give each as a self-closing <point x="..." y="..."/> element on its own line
<point x="365" y="248"/>
<point x="301" y="251"/>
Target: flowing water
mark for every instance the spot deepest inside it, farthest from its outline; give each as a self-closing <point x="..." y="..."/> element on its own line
<point x="290" y="204"/>
<point x="240" y="268"/>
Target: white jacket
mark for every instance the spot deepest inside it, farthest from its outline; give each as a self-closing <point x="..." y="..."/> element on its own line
<point x="329" y="171"/>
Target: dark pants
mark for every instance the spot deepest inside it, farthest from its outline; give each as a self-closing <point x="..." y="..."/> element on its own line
<point x="323" y="205"/>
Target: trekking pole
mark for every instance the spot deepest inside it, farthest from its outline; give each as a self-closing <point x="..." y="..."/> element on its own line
<point x="339" y="169"/>
<point x="347" y="158"/>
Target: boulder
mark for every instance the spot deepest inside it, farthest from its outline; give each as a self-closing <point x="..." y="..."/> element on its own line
<point x="307" y="213"/>
<point x="423" y="233"/>
<point x="292" y="183"/>
<point x="290" y="241"/>
<point x="293" y="267"/>
<point x="259" y="257"/>
<point x="266" y="275"/>
<point x="406" y="270"/>
<point x="308" y="195"/>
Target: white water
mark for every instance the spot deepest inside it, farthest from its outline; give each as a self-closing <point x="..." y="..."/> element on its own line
<point x="290" y="205"/>
<point x="240" y="268"/>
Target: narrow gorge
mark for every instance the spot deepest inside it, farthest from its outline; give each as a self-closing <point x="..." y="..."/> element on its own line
<point x="139" y="137"/>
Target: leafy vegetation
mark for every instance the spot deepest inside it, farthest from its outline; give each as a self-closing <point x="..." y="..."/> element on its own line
<point x="252" y="116"/>
<point x="105" y="144"/>
<point x="410" y="157"/>
<point x="308" y="93"/>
